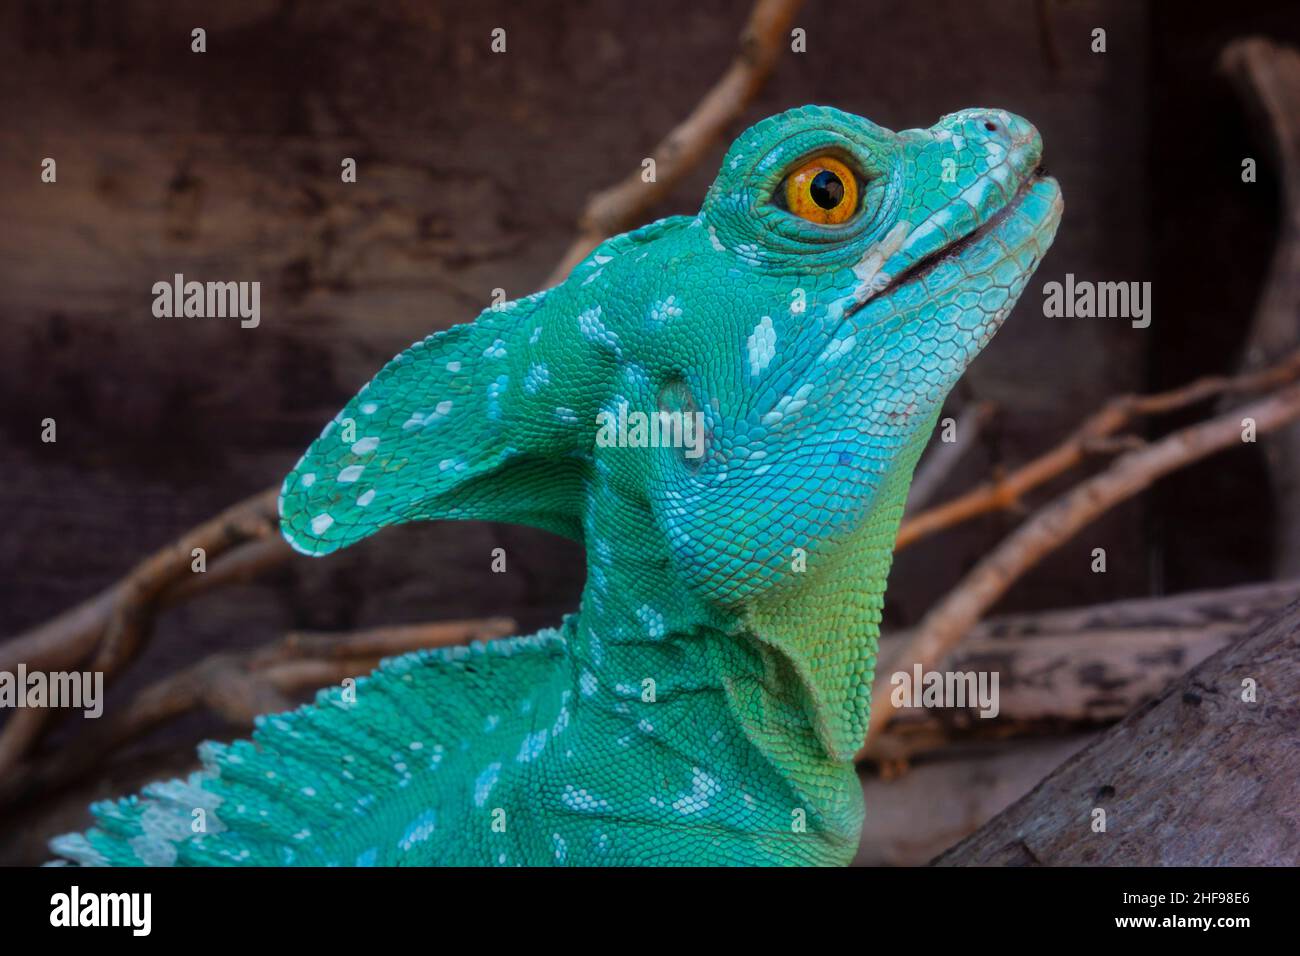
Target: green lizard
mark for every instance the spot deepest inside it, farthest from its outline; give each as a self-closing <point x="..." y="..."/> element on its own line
<point x="705" y="703"/>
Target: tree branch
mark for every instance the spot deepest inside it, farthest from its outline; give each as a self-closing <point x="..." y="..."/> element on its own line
<point x="1076" y="669"/>
<point x="623" y="205"/>
<point x="114" y="624"/>
<point x="1060" y="520"/>
<point x="1007" y="493"/>
<point x="238" y="687"/>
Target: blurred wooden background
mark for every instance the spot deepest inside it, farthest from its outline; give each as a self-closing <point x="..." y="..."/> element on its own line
<point x="472" y="170"/>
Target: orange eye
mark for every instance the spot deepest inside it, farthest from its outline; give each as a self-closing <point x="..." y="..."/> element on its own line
<point x="822" y="190"/>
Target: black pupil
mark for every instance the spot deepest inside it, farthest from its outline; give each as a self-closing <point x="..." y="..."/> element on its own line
<point x="826" y="190"/>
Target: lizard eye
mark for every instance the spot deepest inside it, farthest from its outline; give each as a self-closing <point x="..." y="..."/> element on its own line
<point x="821" y="190"/>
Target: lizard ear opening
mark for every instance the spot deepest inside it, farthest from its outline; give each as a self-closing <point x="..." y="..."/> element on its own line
<point x="439" y="433"/>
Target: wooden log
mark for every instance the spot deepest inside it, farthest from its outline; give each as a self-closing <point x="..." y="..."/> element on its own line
<point x="914" y="817"/>
<point x="1207" y="774"/>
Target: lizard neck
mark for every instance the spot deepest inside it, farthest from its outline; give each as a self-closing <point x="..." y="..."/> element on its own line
<point x="708" y="715"/>
<point x="745" y="719"/>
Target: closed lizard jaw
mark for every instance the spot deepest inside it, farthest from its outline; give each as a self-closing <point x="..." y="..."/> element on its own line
<point x="1001" y="220"/>
<point x="1030" y="218"/>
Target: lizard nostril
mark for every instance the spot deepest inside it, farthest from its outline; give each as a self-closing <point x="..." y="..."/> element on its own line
<point x="991" y="126"/>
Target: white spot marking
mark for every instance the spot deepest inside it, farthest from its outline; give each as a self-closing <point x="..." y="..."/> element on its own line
<point x="485" y="782"/>
<point x="761" y="345"/>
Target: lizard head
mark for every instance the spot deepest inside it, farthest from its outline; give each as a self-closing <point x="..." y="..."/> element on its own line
<point x="846" y="276"/>
<point x="811" y="319"/>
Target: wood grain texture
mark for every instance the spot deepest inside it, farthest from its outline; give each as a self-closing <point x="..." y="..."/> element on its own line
<point x="913" y="817"/>
<point x="1197" y="777"/>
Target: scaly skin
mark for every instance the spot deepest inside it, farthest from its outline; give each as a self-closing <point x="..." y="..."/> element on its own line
<point x="704" y="704"/>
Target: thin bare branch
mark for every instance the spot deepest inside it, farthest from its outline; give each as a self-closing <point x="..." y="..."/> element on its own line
<point x="621" y="206"/>
<point x="1058" y="521"/>
<point x="1093" y="435"/>
<point x="113" y="625"/>
<point x="238" y="687"/>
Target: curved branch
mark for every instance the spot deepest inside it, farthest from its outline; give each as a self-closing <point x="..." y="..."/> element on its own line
<point x="69" y="639"/>
<point x="112" y="625"/>
<point x="1006" y="493"/>
<point x="1058" y="521"/>
<point x="238" y="687"/>
<point x="622" y="205"/>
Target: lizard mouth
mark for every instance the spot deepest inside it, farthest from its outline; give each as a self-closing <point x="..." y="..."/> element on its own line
<point x="1038" y="195"/>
